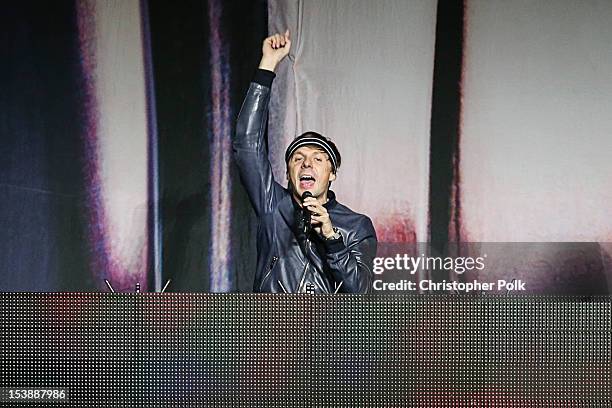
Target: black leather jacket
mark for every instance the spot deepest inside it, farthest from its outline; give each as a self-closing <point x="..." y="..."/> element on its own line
<point x="288" y="259"/>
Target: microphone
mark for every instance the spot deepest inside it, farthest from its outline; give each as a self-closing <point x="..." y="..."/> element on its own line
<point x="306" y="213"/>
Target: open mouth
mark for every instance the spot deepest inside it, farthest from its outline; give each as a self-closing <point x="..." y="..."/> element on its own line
<point x="306" y="181"/>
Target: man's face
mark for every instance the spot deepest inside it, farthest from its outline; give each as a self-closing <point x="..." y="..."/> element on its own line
<point x="309" y="169"/>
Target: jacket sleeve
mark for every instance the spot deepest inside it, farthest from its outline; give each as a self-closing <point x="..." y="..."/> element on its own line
<point x="250" y="151"/>
<point x="352" y="264"/>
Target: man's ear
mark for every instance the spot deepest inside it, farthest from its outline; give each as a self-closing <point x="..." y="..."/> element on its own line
<point x="332" y="177"/>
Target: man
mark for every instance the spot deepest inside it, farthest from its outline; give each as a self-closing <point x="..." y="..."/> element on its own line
<point x="305" y="244"/>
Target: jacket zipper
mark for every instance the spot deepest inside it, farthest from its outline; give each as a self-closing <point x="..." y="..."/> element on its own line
<point x="305" y="269"/>
<point x="274" y="260"/>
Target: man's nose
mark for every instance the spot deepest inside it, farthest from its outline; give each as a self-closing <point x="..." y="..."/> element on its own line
<point x="306" y="163"/>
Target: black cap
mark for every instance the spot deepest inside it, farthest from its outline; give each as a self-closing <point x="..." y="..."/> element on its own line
<point x="315" y="139"/>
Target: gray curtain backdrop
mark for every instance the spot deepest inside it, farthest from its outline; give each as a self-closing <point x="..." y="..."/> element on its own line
<point x="360" y="72"/>
<point x="536" y="137"/>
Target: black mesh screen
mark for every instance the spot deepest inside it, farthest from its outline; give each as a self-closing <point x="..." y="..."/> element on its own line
<point x="184" y="350"/>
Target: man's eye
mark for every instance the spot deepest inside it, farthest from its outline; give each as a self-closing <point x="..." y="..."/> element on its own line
<point x="319" y="159"/>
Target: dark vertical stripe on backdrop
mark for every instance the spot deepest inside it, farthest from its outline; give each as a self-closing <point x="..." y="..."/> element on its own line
<point x="199" y="188"/>
<point x="220" y="127"/>
<point x="154" y="222"/>
<point x="180" y="53"/>
<point x="242" y="28"/>
<point x="42" y="238"/>
<point x="246" y="25"/>
<point x="444" y="182"/>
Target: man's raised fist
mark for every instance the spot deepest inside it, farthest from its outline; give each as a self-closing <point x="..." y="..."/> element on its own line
<point x="274" y="49"/>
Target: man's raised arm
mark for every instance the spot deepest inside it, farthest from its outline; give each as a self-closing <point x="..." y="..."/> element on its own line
<point x="248" y="143"/>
